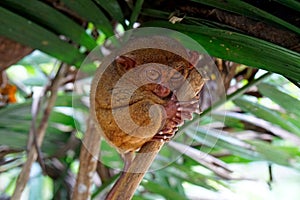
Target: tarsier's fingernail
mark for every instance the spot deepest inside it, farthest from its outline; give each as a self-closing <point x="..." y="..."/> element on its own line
<point x="167" y="130"/>
<point x="179" y="109"/>
<point x="178" y="114"/>
<point x="177" y="104"/>
<point x="161" y="140"/>
<point x="194" y="101"/>
<point x="176" y="121"/>
<point x="160" y="132"/>
<point x="180" y="124"/>
<point x="172" y="123"/>
<point x="165" y="137"/>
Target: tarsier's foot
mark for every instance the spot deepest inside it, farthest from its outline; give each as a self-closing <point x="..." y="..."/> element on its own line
<point x="177" y="112"/>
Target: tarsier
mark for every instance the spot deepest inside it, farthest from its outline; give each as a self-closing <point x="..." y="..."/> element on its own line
<point x="146" y="92"/>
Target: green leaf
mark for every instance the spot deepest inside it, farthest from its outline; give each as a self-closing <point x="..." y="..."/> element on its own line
<point x="291" y="150"/>
<point x="15" y="125"/>
<point x="36" y="58"/>
<point x="13" y="139"/>
<point x="220" y="139"/>
<point x="290" y="3"/>
<point x="239" y="48"/>
<point x="245" y="9"/>
<point x="113" y="8"/>
<point x="136" y="11"/>
<point x="164" y="191"/>
<point x="266" y="114"/>
<point x="235" y="159"/>
<point x="89" y="10"/>
<point x="28" y="33"/>
<point x="186" y="174"/>
<point x="203" y="158"/>
<point x="135" y="197"/>
<point x="35" y="81"/>
<point x="18" y="111"/>
<point x="158" y="14"/>
<point x="272" y="153"/>
<point x="276" y="130"/>
<point x="59" y="117"/>
<point x="286" y="101"/>
<point x="51" y="19"/>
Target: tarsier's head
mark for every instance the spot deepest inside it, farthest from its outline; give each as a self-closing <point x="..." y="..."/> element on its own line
<point x="156" y="70"/>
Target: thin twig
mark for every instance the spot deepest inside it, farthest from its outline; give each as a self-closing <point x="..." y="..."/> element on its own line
<point x="32" y="139"/>
<point x="32" y="154"/>
<point x="88" y="162"/>
<point x="270" y="181"/>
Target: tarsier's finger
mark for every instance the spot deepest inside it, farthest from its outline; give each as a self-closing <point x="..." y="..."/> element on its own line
<point x="187" y="106"/>
<point x="193" y="101"/>
<point x="161" y="139"/>
<point x="191" y="109"/>
<point x="171" y="124"/>
<point x="178" y="120"/>
<point x="167" y="130"/>
<point x="186" y="115"/>
<point x="165" y="134"/>
<point x="183" y="105"/>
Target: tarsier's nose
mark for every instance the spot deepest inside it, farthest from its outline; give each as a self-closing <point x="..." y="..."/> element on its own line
<point x="162" y="91"/>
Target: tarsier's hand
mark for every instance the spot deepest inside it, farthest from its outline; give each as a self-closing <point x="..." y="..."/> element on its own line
<point x="176" y="113"/>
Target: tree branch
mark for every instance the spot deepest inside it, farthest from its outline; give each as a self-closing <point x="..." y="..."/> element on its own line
<point x="88" y="162"/>
<point x="32" y="155"/>
<point x="128" y="182"/>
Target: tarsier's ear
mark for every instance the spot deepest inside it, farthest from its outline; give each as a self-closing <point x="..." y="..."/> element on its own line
<point x="194" y="57"/>
<point x="126" y="61"/>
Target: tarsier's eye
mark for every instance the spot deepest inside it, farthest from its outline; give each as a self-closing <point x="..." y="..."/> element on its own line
<point x="153" y="74"/>
<point x="177" y="76"/>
